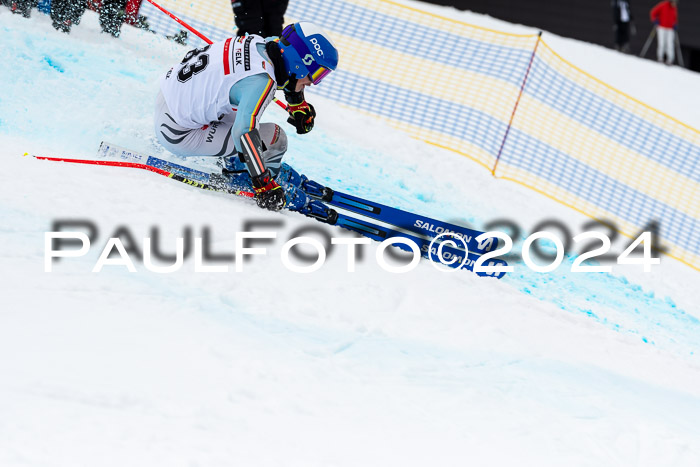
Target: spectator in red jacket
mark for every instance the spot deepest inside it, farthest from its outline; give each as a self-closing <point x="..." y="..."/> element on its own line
<point x="665" y="17"/>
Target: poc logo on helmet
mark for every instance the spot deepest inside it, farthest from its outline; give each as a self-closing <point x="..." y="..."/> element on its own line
<point x="317" y="46"/>
<point x="308" y="59"/>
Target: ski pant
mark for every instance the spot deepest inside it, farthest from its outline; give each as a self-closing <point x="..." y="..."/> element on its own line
<point x="622" y="36"/>
<point x="665" y="43"/>
<point x="214" y="140"/>
<point x="262" y="17"/>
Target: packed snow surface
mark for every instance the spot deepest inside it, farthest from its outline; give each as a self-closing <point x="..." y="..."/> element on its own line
<point x="271" y="367"/>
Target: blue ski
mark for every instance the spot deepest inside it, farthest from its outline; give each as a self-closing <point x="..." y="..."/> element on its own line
<point x="404" y="220"/>
<point x="420" y="229"/>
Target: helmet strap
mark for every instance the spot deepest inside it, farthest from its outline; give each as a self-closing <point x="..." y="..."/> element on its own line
<point x="291" y="85"/>
<point x="284" y="81"/>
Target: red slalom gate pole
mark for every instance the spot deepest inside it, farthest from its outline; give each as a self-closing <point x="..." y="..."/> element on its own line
<point x="134" y="165"/>
<point x="200" y="35"/>
<point x="187" y="26"/>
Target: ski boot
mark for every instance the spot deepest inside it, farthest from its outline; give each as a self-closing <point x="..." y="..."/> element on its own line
<point x="231" y="166"/>
<point x="319" y="211"/>
<point x="316" y="190"/>
<point x="303" y="195"/>
<point x="299" y="200"/>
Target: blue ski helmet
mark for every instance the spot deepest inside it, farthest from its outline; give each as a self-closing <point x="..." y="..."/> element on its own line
<point x="306" y="50"/>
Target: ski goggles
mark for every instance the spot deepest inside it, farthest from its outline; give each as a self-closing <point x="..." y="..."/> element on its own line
<point x="319" y="74"/>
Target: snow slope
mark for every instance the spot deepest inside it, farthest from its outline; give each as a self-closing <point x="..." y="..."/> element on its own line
<point x="269" y="367"/>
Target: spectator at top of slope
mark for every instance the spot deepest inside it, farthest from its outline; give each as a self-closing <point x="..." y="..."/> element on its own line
<point x="622" y="24"/>
<point x="665" y="17"/>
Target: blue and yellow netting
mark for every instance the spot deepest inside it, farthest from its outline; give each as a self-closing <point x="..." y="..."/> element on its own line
<point x="507" y="101"/>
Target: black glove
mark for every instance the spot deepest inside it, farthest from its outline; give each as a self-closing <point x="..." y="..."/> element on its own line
<point x="301" y="116"/>
<point x="268" y="194"/>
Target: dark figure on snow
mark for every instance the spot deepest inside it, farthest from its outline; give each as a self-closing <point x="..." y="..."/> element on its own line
<point x="112" y="16"/>
<point x="261" y="17"/>
<point x="23" y="7"/>
<point x="66" y="13"/>
<point x="623" y="24"/>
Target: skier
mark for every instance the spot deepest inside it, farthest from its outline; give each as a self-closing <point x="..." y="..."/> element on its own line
<point x="623" y="24"/>
<point x="210" y="104"/>
<point x="665" y="17"/>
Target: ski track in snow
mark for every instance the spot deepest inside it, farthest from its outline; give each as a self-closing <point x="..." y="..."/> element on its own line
<point x="432" y="351"/>
<point x="113" y="95"/>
